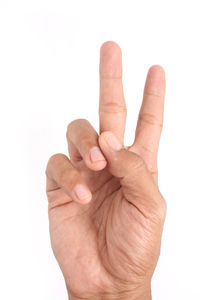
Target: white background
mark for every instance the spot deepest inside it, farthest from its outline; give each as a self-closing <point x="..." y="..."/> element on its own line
<point x="49" y="60"/>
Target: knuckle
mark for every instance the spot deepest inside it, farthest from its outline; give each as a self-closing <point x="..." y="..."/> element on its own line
<point x="153" y="93"/>
<point x="70" y="127"/>
<point x="77" y="122"/>
<point x="150" y="119"/>
<point x="137" y="162"/>
<point x="81" y="133"/>
<point x="53" y="160"/>
<point x="112" y="106"/>
<point x="81" y="124"/>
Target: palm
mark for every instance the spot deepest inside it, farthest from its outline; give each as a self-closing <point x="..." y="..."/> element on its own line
<point x="102" y="230"/>
<point x="100" y="244"/>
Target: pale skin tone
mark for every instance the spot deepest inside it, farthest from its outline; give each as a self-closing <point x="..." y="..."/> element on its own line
<point x="106" y="212"/>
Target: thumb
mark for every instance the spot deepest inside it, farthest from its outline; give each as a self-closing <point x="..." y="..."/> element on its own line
<point x="137" y="184"/>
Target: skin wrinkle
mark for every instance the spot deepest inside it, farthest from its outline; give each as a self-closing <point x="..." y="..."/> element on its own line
<point x="150" y="119"/>
<point x="53" y="190"/>
<point x="139" y="210"/>
<point x="107" y="197"/>
<point x="107" y="111"/>
<point x="118" y="296"/>
<point x="139" y="148"/>
<point x="153" y="94"/>
<point x="106" y="249"/>
<point x="138" y="145"/>
<point x="69" y="217"/>
<point x="123" y="252"/>
<point x="103" y="184"/>
<point x="51" y="206"/>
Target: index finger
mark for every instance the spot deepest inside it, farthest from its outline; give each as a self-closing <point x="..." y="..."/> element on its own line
<point x="112" y="107"/>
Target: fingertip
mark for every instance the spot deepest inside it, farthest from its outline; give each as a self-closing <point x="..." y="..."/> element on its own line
<point x="155" y="81"/>
<point x="110" y="47"/>
<point x="97" y="160"/>
<point x="156" y="74"/>
<point x="82" y="194"/>
<point x="110" y="60"/>
<point x="96" y="155"/>
<point x="156" y="69"/>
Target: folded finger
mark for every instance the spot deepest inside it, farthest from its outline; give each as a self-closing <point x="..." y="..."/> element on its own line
<point x="83" y="144"/>
<point x="62" y="174"/>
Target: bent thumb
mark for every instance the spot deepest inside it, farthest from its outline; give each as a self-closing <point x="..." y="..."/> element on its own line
<point x="137" y="183"/>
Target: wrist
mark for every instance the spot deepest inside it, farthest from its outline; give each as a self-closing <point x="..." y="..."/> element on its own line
<point x="144" y="295"/>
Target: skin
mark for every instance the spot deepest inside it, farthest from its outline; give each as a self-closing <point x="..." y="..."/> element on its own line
<point x="107" y="239"/>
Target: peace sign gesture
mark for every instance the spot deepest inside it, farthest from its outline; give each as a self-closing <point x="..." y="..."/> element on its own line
<point x="106" y="212"/>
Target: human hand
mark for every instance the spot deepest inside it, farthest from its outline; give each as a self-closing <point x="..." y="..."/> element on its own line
<point x="106" y="212"/>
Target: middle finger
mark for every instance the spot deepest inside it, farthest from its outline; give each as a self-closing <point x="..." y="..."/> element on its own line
<point x="112" y="106"/>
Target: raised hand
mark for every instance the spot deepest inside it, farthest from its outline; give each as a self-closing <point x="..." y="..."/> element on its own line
<point x="106" y="212"/>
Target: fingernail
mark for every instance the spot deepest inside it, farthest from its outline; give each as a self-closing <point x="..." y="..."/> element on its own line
<point x="96" y="155"/>
<point x="83" y="193"/>
<point x="113" y="142"/>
